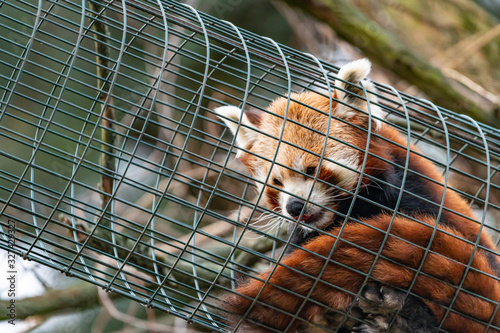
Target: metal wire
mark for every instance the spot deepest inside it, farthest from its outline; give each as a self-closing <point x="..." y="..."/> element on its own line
<point x="176" y="178"/>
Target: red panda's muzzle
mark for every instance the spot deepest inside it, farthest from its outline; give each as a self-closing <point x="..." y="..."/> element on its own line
<point x="295" y="207"/>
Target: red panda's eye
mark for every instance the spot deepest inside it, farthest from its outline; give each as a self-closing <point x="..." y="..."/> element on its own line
<point x="276" y="182"/>
<point x="311" y="171"/>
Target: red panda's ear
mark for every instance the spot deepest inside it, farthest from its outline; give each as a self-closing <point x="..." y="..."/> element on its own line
<point x="350" y="79"/>
<point x="241" y="123"/>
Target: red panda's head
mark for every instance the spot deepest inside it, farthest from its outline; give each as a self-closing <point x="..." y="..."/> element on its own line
<point x="283" y="147"/>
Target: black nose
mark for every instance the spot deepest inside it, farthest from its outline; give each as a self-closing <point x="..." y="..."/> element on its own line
<point x="294" y="207"/>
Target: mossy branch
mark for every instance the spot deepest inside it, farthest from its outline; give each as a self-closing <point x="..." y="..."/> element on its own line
<point x="108" y="163"/>
<point x="79" y="296"/>
<point x="385" y="49"/>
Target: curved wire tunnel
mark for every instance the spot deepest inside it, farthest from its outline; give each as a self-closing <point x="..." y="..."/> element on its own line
<point x="116" y="170"/>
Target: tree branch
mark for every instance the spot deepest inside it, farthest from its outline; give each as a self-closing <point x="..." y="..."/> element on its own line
<point x="108" y="138"/>
<point x="385" y="49"/>
<point x="81" y="295"/>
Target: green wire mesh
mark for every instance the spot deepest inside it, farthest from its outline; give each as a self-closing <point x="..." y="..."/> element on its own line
<point x="180" y="224"/>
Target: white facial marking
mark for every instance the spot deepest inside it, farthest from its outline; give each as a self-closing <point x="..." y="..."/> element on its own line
<point x="260" y="175"/>
<point x="239" y="124"/>
<point x="297" y="163"/>
<point x="277" y="173"/>
<point x="344" y="157"/>
<point x="346" y="166"/>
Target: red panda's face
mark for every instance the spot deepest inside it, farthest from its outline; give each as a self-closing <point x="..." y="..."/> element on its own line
<point x="289" y="183"/>
<point x="304" y="161"/>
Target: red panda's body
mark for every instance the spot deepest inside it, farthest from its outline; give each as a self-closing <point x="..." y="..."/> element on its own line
<point x="314" y="182"/>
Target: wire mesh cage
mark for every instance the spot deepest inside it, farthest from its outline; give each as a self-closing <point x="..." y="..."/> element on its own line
<point x="117" y="170"/>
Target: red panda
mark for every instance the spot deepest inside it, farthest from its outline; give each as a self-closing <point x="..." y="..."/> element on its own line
<point x="307" y="154"/>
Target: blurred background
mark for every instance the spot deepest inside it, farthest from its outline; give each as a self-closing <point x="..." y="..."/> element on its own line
<point x="460" y="38"/>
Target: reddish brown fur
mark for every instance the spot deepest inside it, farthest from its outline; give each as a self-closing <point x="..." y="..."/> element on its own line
<point x="442" y="270"/>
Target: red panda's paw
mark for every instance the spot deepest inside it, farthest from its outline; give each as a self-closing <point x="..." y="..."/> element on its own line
<point x="374" y="324"/>
<point x="391" y="310"/>
<point x="384" y="324"/>
<point x="335" y="321"/>
<point x="379" y="299"/>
